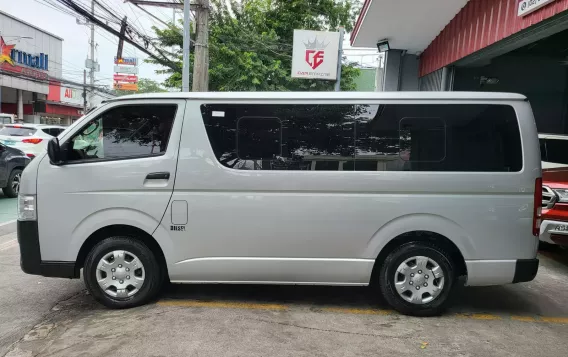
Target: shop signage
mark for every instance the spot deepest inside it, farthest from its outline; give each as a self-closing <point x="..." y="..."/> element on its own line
<point x="126" y="69"/>
<point x="13" y="56"/>
<point x="71" y="95"/>
<point x="127" y="61"/>
<point x="125" y="78"/>
<point x="529" y="6"/>
<point x="10" y="58"/>
<point x="126" y="86"/>
<point x="315" y="54"/>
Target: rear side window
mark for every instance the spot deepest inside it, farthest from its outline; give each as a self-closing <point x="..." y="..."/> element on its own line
<point x="17" y="131"/>
<point x="125" y="132"/>
<point x="557" y="151"/>
<point x="391" y="137"/>
<point x="52" y="131"/>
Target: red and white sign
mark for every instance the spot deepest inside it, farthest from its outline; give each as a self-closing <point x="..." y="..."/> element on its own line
<point x="125" y="78"/>
<point x="315" y="54"/>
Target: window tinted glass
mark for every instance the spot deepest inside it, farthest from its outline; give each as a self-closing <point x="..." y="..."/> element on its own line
<point x="392" y="137"/>
<point x="542" y="149"/>
<point x="122" y="132"/>
<point x="441" y="138"/>
<point x="557" y="151"/>
<point x="259" y="138"/>
<point x="281" y="137"/>
<point x="17" y="131"/>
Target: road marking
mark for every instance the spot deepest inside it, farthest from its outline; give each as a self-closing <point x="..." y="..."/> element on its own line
<point x="358" y="311"/>
<point x="554" y="320"/>
<point x="222" y="305"/>
<point x="7" y="223"/>
<point x="355" y="311"/>
<point x="9" y="244"/>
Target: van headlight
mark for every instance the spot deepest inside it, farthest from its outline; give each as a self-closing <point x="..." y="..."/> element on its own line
<point x="562" y="194"/>
<point x="27" y="208"/>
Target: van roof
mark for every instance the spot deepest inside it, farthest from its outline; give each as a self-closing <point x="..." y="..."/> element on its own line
<point x="327" y="95"/>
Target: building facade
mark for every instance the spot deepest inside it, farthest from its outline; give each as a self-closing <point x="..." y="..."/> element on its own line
<point x="30" y="73"/>
<point x="475" y="45"/>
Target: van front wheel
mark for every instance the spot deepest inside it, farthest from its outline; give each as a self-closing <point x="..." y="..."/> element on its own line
<point x="418" y="279"/>
<point x="121" y="272"/>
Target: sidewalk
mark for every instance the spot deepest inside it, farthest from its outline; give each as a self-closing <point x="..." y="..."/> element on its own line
<point x="8" y="209"/>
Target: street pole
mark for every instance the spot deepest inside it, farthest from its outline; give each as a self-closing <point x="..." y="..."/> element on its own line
<point x="84" y="91"/>
<point x="339" y="59"/>
<point x="92" y="71"/>
<point x="201" y="65"/>
<point x="186" y="59"/>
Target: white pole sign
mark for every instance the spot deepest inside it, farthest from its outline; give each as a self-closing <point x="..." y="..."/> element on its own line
<point x="529" y="6"/>
<point x="315" y="54"/>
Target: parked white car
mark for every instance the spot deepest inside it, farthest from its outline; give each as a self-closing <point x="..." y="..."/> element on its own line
<point x="32" y="139"/>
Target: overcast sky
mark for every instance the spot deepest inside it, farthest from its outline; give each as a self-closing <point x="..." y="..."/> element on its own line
<point x="76" y="37"/>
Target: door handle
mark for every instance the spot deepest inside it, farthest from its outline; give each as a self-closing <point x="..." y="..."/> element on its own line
<point x="158" y="176"/>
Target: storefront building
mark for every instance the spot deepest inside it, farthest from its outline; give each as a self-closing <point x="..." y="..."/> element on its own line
<point x="475" y="45"/>
<point x="30" y="65"/>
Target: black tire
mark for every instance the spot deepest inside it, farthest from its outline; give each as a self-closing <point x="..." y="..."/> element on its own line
<point x="397" y="257"/>
<point x="9" y="190"/>
<point x="153" y="279"/>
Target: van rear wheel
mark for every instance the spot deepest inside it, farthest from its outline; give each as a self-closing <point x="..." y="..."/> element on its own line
<point x="418" y="279"/>
<point x="121" y="272"/>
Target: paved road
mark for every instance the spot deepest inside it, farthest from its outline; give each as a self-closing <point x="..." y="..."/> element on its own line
<point x="8" y="208"/>
<point x="50" y="317"/>
<point x="25" y="300"/>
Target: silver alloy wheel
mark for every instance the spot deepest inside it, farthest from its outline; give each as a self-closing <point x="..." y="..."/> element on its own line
<point x="120" y="274"/>
<point x="419" y="280"/>
<point x="16" y="183"/>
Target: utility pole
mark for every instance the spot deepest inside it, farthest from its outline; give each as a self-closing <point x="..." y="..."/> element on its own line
<point x="92" y="71"/>
<point x="84" y="91"/>
<point x="186" y="53"/>
<point x="340" y="59"/>
<point x="201" y="66"/>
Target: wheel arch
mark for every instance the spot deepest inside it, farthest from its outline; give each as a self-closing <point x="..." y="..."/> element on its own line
<point x="421" y="236"/>
<point x="120" y="230"/>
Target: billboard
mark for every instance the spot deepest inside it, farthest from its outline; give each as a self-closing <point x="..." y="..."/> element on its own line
<point x="127" y="61"/>
<point x="315" y="55"/>
<point x="126" y="69"/>
<point x="125" y="78"/>
<point x="126" y="86"/>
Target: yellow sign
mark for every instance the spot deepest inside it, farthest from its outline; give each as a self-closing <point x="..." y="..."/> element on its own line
<point x="126" y="86"/>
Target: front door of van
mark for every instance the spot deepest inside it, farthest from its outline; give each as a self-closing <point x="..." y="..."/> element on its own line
<point x="119" y="169"/>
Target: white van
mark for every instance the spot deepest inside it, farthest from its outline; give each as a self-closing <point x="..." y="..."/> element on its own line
<point x="226" y="188"/>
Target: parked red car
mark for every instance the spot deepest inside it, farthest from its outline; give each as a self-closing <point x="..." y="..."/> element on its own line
<point x="554" y="226"/>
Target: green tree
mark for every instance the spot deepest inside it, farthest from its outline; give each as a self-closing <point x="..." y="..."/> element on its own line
<point x="250" y="43"/>
<point x="145" y="85"/>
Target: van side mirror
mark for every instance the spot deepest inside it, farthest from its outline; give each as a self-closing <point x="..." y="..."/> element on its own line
<point x="54" y="152"/>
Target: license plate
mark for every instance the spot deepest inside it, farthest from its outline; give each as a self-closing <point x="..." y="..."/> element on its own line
<point x="9" y="142"/>
<point x="562" y="228"/>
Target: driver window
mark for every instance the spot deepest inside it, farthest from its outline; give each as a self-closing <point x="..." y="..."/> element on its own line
<point x="124" y="132"/>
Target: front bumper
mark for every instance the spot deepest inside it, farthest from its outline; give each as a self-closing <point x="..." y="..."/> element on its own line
<point x="550" y="233"/>
<point x="30" y="255"/>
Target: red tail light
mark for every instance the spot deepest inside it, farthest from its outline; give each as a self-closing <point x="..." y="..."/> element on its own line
<point x="31" y="156"/>
<point x="537" y="213"/>
<point x="32" y="141"/>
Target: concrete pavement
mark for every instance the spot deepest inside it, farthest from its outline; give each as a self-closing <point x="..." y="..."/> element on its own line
<point x="8" y="208"/>
<point x="25" y="299"/>
<point x="54" y="317"/>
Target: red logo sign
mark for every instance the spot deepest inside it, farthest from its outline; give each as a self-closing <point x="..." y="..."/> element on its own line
<point x="314" y="58"/>
<point x="315" y="52"/>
